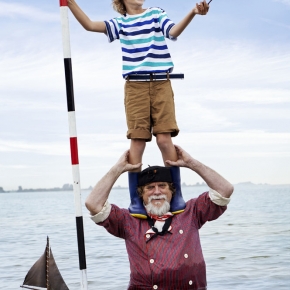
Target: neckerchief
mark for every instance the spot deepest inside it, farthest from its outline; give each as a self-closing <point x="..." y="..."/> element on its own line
<point x="167" y="219"/>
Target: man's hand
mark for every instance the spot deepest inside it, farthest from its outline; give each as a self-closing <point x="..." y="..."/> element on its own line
<point x="123" y="165"/>
<point x="201" y="8"/>
<point x="211" y="178"/>
<point x="184" y="159"/>
<point x="97" y="198"/>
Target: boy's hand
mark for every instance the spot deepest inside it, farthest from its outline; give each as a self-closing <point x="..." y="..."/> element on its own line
<point x="70" y="2"/>
<point x="201" y="8"/>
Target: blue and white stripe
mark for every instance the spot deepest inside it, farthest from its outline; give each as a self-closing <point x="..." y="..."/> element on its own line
<point x="142" y="37"/>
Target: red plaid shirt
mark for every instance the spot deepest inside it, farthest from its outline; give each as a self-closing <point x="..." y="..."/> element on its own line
<point x="170" y="262"/>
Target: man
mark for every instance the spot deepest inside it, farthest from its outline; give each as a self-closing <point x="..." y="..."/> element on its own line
<point x="164" y="250"/>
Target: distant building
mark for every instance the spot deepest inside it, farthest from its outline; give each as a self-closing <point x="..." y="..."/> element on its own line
<point x="67" y="187"/>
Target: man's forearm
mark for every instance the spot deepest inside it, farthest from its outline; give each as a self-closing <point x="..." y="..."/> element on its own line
<point x="99" y="195"/>
<point x="212" y="178"/>
<point x="177" y="29"/>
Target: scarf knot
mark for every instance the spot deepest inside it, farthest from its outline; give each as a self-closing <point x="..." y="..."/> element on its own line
<point x="159" y="225"/>
<point x="162" y="217"/>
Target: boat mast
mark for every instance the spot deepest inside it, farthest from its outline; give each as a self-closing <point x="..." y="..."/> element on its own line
<point x="47" y="263"/>
<point x="73" y="142"/>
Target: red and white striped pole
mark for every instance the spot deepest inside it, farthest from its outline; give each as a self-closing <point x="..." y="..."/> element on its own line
<point x="73" y="142"/>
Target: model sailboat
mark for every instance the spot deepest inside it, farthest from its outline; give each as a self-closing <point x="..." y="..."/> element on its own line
<point x="44" y="274"/>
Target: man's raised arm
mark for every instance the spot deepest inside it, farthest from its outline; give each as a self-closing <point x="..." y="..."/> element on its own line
<point x="213" y="179"/>
<point x="99" y="195"/>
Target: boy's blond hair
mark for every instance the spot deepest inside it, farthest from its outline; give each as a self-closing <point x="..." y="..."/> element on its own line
<point x="119" y="6"/>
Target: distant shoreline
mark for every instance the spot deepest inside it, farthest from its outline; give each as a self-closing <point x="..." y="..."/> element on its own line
<point x="69" y="187"/>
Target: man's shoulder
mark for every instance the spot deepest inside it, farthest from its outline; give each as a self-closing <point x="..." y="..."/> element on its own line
<point x="121" y="211"/>
<point x="201" y="199"/>
<point x="124" y="215"/>
<point x="194" y="200"/>
<point x="117" y="208"/>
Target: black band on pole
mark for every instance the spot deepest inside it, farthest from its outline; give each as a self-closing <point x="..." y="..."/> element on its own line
<point x="81" y="243"/>
<point x="69" y="85"/>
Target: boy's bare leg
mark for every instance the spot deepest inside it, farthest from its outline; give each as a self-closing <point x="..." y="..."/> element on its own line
<point x="137" y="148"/>
<point x="166" y="147"/>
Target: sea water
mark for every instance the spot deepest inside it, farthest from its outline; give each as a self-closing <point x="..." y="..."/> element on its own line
<point x="248" y="247"/>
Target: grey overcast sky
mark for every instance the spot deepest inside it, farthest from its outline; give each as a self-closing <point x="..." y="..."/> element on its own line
<point x="232" y="108"/>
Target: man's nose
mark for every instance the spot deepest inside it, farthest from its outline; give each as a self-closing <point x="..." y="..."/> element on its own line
<point x="156" y="190"/>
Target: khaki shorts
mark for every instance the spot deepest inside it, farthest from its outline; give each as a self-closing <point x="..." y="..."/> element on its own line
<point x="149" y="109"/>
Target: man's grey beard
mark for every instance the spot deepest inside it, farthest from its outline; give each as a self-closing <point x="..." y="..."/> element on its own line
<point x="152" y="209"/>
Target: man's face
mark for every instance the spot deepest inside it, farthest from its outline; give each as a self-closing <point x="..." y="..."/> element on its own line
<point x="157" y="193"/>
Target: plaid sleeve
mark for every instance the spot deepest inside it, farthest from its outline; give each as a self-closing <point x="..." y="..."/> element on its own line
<point x="166" y="24"/>
<point x="112" y="27"/>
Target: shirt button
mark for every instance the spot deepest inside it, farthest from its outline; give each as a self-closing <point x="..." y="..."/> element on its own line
<point x="155" y="287"/>
<point x="190" y="282"/>
<point x="185" y="256"/>
<point x="152" y="261"/>
<point x="181" y="232"/>
<point x="147" y="236"/>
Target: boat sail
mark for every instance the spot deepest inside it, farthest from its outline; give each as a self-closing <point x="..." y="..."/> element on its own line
<point x="44" y="274"/>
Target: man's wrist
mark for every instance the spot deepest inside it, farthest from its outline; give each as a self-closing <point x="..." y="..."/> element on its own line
<point x="117" y="170"/>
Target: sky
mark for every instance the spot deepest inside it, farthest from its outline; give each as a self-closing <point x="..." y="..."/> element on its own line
<point x="232" y="108"/>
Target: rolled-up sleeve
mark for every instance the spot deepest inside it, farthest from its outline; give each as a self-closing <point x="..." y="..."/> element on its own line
<point x="166" y="24"/>
<point x="112" y="29"/>
<point x="103" y="214"/>
<point x="218" y="198"/>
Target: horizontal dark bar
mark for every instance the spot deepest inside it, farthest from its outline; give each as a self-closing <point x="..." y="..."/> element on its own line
<point x="155" y="76"/>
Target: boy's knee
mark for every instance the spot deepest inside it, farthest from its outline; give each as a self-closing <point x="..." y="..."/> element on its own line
<point x="138" y="144"/>
<point x="164" y="140"/>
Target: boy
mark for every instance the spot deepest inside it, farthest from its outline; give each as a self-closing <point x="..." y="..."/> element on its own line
<point x="148" y="104"/>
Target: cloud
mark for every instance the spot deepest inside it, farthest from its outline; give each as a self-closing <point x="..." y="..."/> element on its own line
<point x="269" y="21"/>
<point x="53" y="148"/>
<point x="286" y="2"/>
<point x="5" y="167"/>
<point x="235" y="64"/>
<point x="16" y="10"/>
<point x="111" y="145"/>
<point x="255" y="96"/>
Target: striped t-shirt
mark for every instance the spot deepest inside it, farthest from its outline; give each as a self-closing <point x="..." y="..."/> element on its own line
<point x="142" y="38"/>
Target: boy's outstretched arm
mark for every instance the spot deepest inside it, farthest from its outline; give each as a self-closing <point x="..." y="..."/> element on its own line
<point x="201" y="9"/>
<point x="84" y="20"/>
